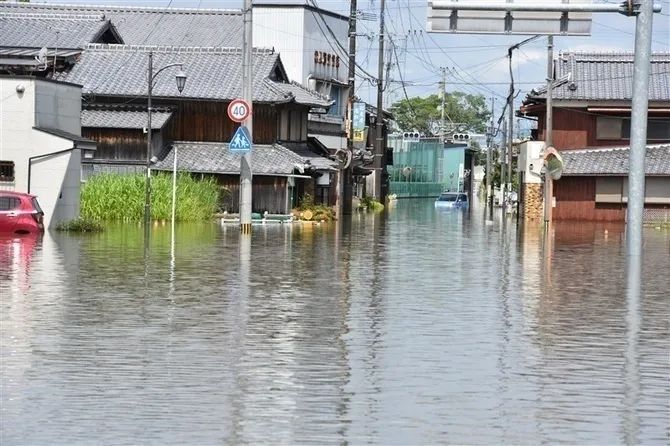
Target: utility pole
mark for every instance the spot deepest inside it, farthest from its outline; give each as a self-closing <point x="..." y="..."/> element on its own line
<point x="380" y="150"/>
<point x="245" y="162"/>
<point x="503" y="157"/>
<point x="549" y="130"/>
<point x="489" y="196"/>
<point x="638" y="134"/>
<point x="444" y="102"/>
<point x="346" y="186"/>
<point x="510" y="140"/>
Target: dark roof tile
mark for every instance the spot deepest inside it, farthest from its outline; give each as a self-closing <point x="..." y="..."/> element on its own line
<point x="55" y="31"/>
<point x="123" y="119"/>
<point x="214" y="157"/>
<point x="614" y="161"/>
<point x="605" y="77"/>
<point x="155" y="25"/>
<point x="213" y="73"/>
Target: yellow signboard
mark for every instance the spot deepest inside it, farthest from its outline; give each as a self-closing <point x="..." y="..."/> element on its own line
<point x="359" y="135"/>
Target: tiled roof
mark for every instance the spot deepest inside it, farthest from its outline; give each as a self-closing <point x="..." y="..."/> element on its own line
<point x="51" y="31"/>
<point x="123" y="119"/>
<point x="614" y="161"/>
<point x="155" y="25"/>
<point x="303" y="95"/>
<point x="605" y="77"/>
<point x="213" y="73"/>
<point x="317" y="161"/>
<point x="214" y="157"/>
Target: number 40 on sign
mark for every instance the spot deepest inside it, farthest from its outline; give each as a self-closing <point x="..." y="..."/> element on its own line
<point x="239" y="110"/>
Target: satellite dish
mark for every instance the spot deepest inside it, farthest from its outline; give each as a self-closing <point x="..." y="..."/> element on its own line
<point x="41" y="58"/>
<point x="553" y="163"/>
<point x="407" y="171"/>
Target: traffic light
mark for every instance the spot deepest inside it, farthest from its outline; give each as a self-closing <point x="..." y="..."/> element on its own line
<point x="460" y="137"/>
<point x="411" y="136"/>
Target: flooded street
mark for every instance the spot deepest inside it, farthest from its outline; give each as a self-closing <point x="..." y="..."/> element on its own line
<point x="423" y="327"/>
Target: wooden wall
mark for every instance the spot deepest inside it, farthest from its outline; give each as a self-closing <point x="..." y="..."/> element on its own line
<point x="118" y="144"/>
<point x="208" y="121"/>
<point x="575" y="200"/>
<point x="268" y="193"/>
<point x="575" y="129"/>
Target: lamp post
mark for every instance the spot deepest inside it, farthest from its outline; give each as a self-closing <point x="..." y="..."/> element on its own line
<point x="180" y="77"/>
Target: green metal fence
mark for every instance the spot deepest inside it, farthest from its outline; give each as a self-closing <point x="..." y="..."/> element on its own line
<point x="415" y="190"/>
<point x="417" y="168"/>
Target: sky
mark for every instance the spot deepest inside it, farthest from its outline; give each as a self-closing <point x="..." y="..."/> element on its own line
<point x="475" y="64"/>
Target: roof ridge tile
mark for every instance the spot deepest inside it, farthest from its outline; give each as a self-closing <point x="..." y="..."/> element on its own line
<point x="121" y="8"/>
<point x="51" y="16"/>
<point x="172" y="49"/>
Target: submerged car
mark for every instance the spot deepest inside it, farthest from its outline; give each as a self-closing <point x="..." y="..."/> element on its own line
<point x="20" y="213"/>
<point x="456" y="200"/>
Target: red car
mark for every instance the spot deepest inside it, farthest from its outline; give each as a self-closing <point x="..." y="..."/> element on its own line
<point x="20" y="213"/>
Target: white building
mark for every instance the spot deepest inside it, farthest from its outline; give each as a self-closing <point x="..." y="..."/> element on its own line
<point x="311" y="42"/>
<point x="40" y="143"/>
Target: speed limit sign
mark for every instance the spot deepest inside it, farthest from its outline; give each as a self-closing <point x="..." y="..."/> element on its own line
<point x="239" y="110"/>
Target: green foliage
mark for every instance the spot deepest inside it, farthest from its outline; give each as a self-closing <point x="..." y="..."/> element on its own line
<point x="113" y="197"/>
<point x="423" y="114"/>
<point x="371" y="204"/>
<point x="317" y="212"/>
<point x="80" y="225"/>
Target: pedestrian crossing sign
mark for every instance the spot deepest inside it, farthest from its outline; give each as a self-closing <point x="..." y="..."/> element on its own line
<point x="241" y="141"/>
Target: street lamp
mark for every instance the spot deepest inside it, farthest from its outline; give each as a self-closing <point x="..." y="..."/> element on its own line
<point x="181" y="82"/>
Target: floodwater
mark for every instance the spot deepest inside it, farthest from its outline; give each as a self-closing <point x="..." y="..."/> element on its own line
<point x="424" y="327"/>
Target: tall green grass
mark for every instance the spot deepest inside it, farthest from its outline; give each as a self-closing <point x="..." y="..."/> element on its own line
<point x="114" y="197"/>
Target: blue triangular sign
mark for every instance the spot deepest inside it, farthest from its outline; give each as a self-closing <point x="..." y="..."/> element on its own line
<point x="241" y="141"/>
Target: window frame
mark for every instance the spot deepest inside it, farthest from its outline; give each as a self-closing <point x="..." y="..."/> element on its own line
<point x="7" y="164"/>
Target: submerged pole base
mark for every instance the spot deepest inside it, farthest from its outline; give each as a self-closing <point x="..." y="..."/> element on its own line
<point x="245" y="228"/>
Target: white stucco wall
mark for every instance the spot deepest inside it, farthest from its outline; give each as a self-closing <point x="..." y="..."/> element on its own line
<point x="281" y="29"/>
<point x="54" y="179"/>
<point x="295" y="33"/>
<point x="315" y="41"/>
<point x="529" y="157"/>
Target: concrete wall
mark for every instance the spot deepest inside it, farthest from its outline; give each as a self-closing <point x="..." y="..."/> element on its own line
<point x="54" y="179"/>
<point x="58" y="106"/>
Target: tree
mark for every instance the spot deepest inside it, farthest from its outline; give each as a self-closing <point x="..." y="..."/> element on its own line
<point x="423" y="114"/>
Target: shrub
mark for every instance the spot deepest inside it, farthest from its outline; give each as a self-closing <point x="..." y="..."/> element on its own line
<point x="315" y="212"/>
<point x="371" y="204"/>
<point x="80" y="225"/>
<point x="114" y="197"/>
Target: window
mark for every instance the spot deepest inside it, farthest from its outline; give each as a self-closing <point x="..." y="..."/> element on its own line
<point x="615" y="128"/>
<point x="335" y="95"/>
<point x="6" y="170"/>
<point x="658" y="128"/>
<point x="608" y="128"/>
<point x="9" y="203"/>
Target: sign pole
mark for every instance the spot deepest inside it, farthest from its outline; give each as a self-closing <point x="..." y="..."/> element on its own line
<point x="638" y="131"/>
<point x="245" y="162"/>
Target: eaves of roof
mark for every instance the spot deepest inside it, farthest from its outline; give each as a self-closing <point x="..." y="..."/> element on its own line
<point x="613" y="161"/>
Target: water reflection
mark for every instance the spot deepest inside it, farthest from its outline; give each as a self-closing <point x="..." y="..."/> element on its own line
<point x="420" y="327"/>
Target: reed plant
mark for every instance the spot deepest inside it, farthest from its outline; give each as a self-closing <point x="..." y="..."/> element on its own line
<point x="115" y="197"/>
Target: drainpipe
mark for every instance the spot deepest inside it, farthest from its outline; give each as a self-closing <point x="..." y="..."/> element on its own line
<point x="30" y="160"/>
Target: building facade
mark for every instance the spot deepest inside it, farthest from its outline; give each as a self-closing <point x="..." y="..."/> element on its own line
<point x="592" y="102"/>
<point x="41" y="147"/>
